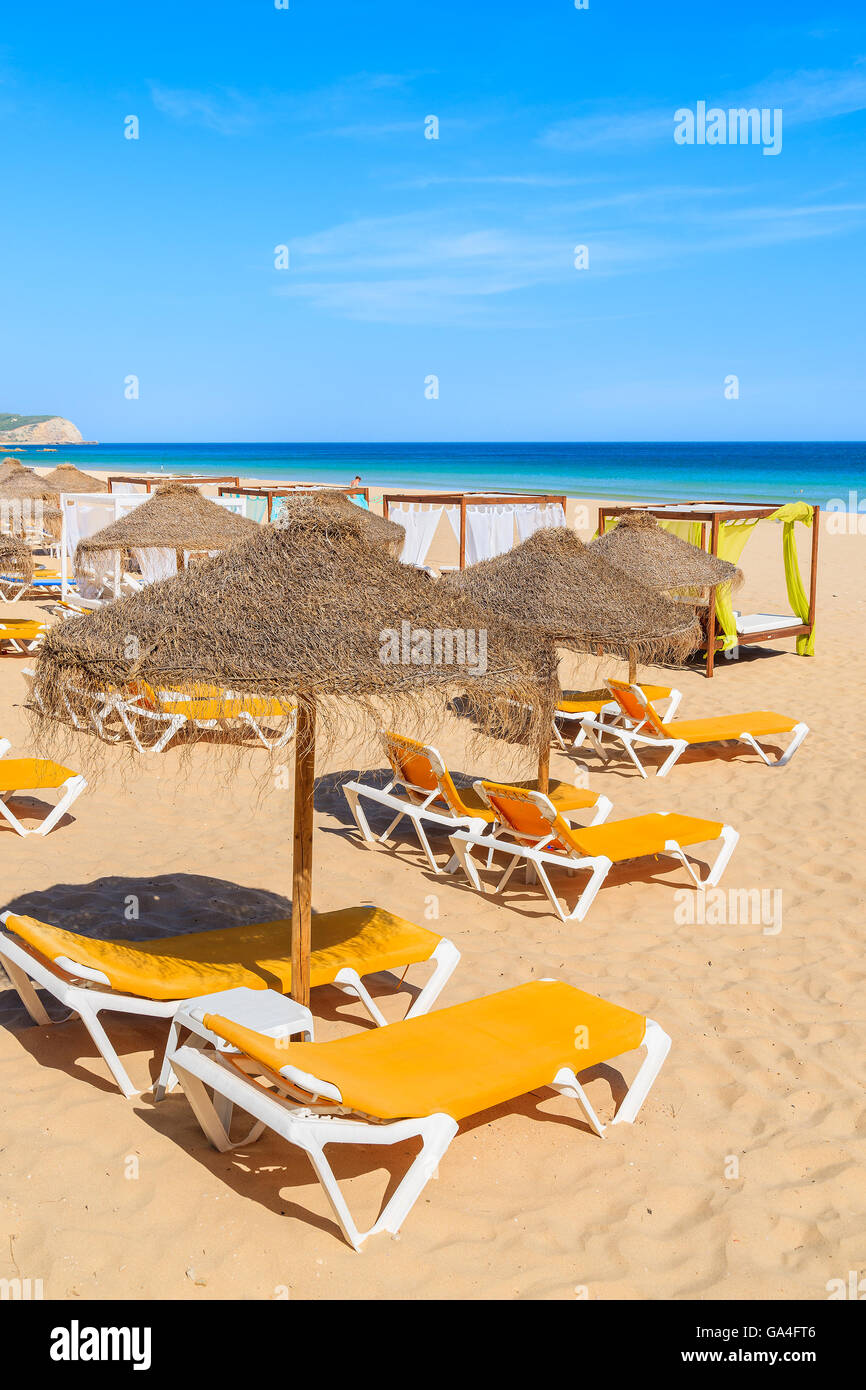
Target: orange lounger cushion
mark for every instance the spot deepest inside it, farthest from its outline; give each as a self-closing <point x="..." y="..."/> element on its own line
<point x="29" y="774"/>
<point x="629" y="839"/>
<point x="756" y="722"/>
<point x="595" y="706"/>
<point x="564" y="796"/>
<point x="258" y="956"/>
<point x="226" y="708"/>
<point x="25" y="628"/>
<point x="461" y="1060"/>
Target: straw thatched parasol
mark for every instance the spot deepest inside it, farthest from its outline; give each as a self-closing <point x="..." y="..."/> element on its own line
<point x="308" y="611"/>
<point x="23" y="487"/>
<point x="67" y="478"/>
<point x="16" y="559"/>
<point x="176" y="517"/>
<point x="558" y="587"/>
<point x="378" y="529"/>
<point x="9" y="467"/>
<point x="645" y="551"/>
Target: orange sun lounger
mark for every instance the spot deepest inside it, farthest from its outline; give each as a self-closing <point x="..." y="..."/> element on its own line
<point x="150" y="977"/>
<point x="641" y="724"/>
<point x="418" y="1078"/>
<point x="535" y="835"/>
<point x="19" y="775"/>
<point x="428" y="793"/>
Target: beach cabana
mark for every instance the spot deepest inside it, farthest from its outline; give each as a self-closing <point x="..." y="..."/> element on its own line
<point x="557" y="587"/>
<point x="722" y="529"/>
<point x="307" y="612"/>
<point x="161" y="535"/>
<point x="67" y="478"/>
<point x="16" y="567"/>
<point x="336" y="504"/>
<point x="482" y="524"/>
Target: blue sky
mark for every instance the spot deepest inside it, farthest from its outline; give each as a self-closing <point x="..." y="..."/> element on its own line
<point x="412" y="257"/>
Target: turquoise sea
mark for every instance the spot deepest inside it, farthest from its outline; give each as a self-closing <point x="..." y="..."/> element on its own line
<point x="758" y="472"/>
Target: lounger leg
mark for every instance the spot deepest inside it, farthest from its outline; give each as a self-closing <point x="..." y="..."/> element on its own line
<point x="730" y="836"/>
<point x="798" y="733"/>
<point x="26" y="992"/>
<point x="678" y="747"/>
<point x="603" y="808"/>
<point x="73" y="786"/>
<point x="436" y="1135"/>
<point x="593" y="740"/>
<point x="601" y="867"/>
<point x="10" y="816"/>
<point x="425" y="844"/>
<point x="91" y="1022"/>
<point x="203" y="1109"/>
<point x="446" y="957"/>
<point x="358" y="815"/>
<point x="567" y="1084"/>
<point x="657" y="1045"/>
<point x="350" y="981"/>
<point x="463" y="851"/>
<point x="546" y="885"/>
<point x="167" y="1079"/>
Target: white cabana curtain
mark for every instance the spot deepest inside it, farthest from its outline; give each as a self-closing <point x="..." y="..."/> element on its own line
<point x="538" y="516"/>
<point x="420" y="522"/>
<point x="156" y="563"/>
<point x="489" y="531"/>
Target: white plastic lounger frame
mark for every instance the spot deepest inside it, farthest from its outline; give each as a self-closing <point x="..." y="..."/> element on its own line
<point x="24" y="646"/>
<point x="74" y="987"/>
<point x="130" y="710"/>
<point x="99" y="707"/>
<point x="203" y="1064"/>
<point x="423" y="810"/>
<point x="609" y="714"/>
<point x="644" y="734"/>
<point x="69" y="791"/>
<point x="536" y="859"/>
<point x="416" y="812"/>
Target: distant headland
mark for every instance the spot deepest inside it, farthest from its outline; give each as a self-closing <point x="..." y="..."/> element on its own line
<point x="38" y="429"/>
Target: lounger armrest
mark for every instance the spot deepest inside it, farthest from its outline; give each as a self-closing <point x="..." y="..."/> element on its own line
<point x="311" y="1085"/>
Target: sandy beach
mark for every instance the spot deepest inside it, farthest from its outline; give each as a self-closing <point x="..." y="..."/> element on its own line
<point x="742" y="1177"/>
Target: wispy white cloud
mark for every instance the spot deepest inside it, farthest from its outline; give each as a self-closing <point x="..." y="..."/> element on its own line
<point x="224" y="110"/>
<point x="804" y="96"/>
<point x="434" y="268"/>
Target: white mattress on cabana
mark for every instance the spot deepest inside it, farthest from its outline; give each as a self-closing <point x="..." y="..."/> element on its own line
<point x="747" y="623"/>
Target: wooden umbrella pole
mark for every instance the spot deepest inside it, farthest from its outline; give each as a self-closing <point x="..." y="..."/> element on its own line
<point x="554" y="694"/>
<point x="302" y="851"/>
<point x="544" y="770"/>
<point x="632" y="666"/>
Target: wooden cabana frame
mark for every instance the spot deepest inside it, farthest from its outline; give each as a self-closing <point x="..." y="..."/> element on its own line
<point x="293" y="490"/>
<point x="463" y="500"/>
<point x="152" y="480"/>
<point x="710" y="516"/>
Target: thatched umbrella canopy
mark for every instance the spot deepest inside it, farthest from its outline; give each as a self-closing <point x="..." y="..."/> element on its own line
<point x="25" y="496"/>
<point x="307" y="610"/>
<point x="175" y="517"/>
<point x="9" y="467"/>
<point x="16" y="559"/>
<point x="558" y="587"/>
<point x="642" y="549"/>
<point x="67" y="478"/>
<point x="379" y="530"/>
